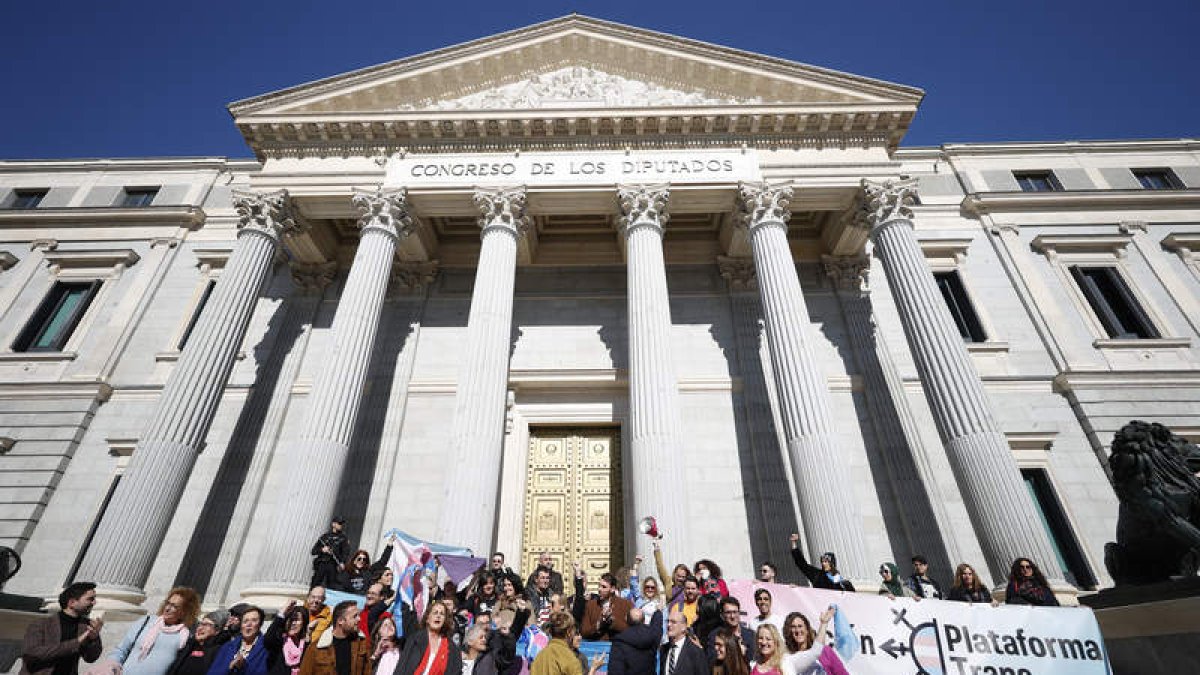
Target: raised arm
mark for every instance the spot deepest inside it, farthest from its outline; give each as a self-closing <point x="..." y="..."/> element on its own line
<point x="809" y="571"/>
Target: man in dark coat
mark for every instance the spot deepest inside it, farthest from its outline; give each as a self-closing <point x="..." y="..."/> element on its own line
<point x="731" y="620"/>
<point x="53" y="645"/>
<point x="633" y="648"/>
<point x="329" y="554"/>
<point x="680" y="656"/>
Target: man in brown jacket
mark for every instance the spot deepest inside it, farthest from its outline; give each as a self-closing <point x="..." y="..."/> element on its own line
<point x="340" y="650"/>
<point x="605" y="614"/>
<point x="53" y="645"/>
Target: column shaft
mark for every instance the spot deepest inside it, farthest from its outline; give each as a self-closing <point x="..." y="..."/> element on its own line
<point x="132" y="529"/>
<point x="828" y="511"/>
<point x="1005" y="518"/>
<point x="320" y="455"/>
<point x="655" y="448"/>
<point x="472" y="482"/>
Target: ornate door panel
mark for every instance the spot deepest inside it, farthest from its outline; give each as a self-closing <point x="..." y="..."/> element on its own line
<point x="573" y="501"/>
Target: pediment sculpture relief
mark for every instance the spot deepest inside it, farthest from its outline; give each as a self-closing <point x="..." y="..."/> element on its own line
<point x="577" y="87"/>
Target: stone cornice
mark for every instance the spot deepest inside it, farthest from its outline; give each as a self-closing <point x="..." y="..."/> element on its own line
<point x="1079" y="200"/>
<point x="1060" y="147"/>
<point x="127" y="164"/>
<point x="188" y="216"/>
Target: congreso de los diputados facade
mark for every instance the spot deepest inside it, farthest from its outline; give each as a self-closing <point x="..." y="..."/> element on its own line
<point x="518" y="294"/>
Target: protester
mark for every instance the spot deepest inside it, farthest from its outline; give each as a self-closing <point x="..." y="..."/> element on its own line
<point x="967" y="586"/>
<point x="375" y="608"/>
<point x="285" y="640"/>
<point x="649" y="600"/>
<point x="386" y="652"/>
<point x="807" y="654"/>
<point x="798" y="634"/>
<point x="507" y="602"/>
<point x="150" y="645"/>
<point x="920" y="583"/>
<point x="320" y="616"/>
<point x="1028" y="586"/>
<point x="709" y="575"/>
<point x="356" y="574"/>
<point x="246" y="655"/>
<point x="502" y="641"/>
<point x="430" y="649"/>
<point x="688" y="603"/>
<point x="680" y="656"/>
<point x="329" y="554"/>
<point x="731" y="623"/>
<point x="539" y="593"/>
<point x="891" y="585"/>
<point x="763" y="601"/>
<point x="54" y="645"/>
<point x="604" y="614"/>
<point x="634" y="649"/>
<point x="677" y="577"/>
<point x="558" y="657"/>
<point x="503" y="572"/>
<point x="340" y="650"/>
<point x="826" y="576"/>
<point x="727" y="656"/>
<point x="198" y="654"/>
<point x="485" y="595"/>
<point x="767" y="572"/>
<point x="556" y="579"/>
<point x="768" y="644"/>
<point x="475" y="646"/>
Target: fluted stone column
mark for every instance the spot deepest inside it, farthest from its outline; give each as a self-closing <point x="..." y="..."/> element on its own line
<point x="828" y="511"/>
<point x="319" y="457"/>
<point x="1005" y="518"/>
<point x="472" y="479"/>
<point x="132" y="529"/>
<point x="655" y="449"/>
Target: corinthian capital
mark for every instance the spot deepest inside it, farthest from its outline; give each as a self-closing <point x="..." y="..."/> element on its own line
<point x="739" y="273"/>
<point x="848" y="273"/>
<point x="762" y="203"/>
<point x="312" y="277"/>
<point x="502" y="208"/>
<point x="644" y="205"/>
<point x="886" y="201"/>
<point x="384" y="209"/>
<point x="267" y="212"/>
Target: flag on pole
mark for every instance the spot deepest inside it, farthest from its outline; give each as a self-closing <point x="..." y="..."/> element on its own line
<point x="412" y="559"/>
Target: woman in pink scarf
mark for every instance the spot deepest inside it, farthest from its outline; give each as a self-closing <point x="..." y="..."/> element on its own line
<point x="150" y="645"/>
<point x="285" y="640"/>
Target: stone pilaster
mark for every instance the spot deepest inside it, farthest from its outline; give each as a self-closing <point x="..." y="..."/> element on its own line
<point x="1005" y="518"/>
<point x="477" y="440"/>
<point x="132" y="529"/>
<point x="828" y="512"/>
<point x="655" y="447"/>
<point x="920" y="507"/>
<point x="319" y="457"/>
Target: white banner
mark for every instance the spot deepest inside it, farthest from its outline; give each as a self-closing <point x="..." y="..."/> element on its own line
<point x="578" y="168"/>
<point x="938" y="637"/>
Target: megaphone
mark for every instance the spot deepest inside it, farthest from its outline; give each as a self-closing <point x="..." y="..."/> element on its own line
<point x="649" y="526"/>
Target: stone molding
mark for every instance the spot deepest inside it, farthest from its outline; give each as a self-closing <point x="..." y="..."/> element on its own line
<point x="387" y="210"/>
<point x="644" y="206"/>
<point x="739" y="272"/>
<point x="502" y="208"/>
<point x="762" y="203"/>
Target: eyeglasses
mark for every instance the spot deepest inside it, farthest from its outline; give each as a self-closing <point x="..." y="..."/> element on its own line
<point x="362" y="557"/>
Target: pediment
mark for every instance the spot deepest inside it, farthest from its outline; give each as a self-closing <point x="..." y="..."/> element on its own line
<point x="572" y="66"/>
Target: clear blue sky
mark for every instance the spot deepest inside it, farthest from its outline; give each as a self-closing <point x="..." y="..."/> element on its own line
<point x="120" y="79"/>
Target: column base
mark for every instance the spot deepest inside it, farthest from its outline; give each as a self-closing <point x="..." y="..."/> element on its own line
<point x="118" y="603"/>
<point x="271" y="597"/>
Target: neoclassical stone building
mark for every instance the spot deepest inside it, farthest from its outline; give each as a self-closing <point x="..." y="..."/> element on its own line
<point x="517" y="294"/>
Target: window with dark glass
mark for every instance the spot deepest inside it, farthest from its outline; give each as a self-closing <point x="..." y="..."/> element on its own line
<point x="1157" y="179"/>
<point x="138" y="196"/>
<point x="959" y="303"/>
<point x="187" y="332"/>
<point x="1068" y="555"/>
<point x="56" y="318"/>
<point x="1037" y="181"/>
<point x="27" y="199"/>
<point x="1115" y="305"/>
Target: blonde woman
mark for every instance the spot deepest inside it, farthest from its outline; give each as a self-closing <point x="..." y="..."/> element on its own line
<point x="768" y="646"/>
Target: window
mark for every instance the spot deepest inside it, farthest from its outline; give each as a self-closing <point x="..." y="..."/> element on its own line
<point x="1157" y="179"/>
<point x="138" y="196"/>
<point x="55" y="319"/>
<point x="1114" y="304"/>
<point x="960" y="306"/>
<point x="1069" y="557"/>
<point x="27" y="199"/>
<point x="1037" y="181"/>
<point x="191" y="325"/>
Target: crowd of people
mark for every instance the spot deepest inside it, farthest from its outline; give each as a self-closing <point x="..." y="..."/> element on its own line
<point x="682" y="622"/>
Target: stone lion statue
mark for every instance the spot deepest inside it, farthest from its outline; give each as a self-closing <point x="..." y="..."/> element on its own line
<point x="1158" y="526"/>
